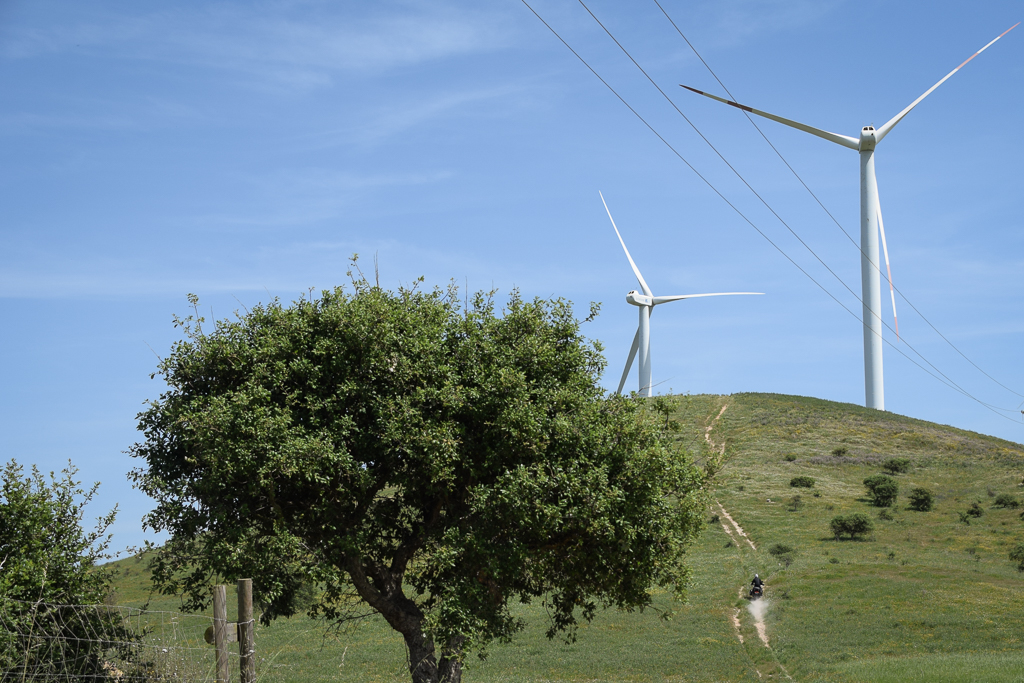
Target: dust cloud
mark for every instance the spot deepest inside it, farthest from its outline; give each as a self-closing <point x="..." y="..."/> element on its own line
<point x="757" y="609"/>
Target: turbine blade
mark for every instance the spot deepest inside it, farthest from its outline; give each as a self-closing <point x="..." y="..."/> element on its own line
<point x="844" y="140"/>
<point x="885" y="250"/>
<point x="636" y="271"/>
<point x="884" y="130"/>
<point x="666" y="299"/>
<point x="629" y="361"/>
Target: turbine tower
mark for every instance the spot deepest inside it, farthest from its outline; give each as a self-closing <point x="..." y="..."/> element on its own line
<point x="645" y="302"/>
<point x="870" y="226"/>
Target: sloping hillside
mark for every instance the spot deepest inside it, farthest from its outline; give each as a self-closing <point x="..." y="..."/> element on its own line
<point x="922" y="584"/>
<point x="925" y="596"/>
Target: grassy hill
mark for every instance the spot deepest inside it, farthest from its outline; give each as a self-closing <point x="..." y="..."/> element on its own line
<point x="924" y="597"/>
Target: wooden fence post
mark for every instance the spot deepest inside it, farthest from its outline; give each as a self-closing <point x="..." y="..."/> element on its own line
<point x="220" y="631"/>
<point x="246" y="633"/>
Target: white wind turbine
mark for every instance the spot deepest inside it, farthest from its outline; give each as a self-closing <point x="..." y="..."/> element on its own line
<point x="646" y="303"/>
<point x="870" y="226"/>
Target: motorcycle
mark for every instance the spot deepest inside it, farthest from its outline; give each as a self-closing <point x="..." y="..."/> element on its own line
<point x="756" y="592"/>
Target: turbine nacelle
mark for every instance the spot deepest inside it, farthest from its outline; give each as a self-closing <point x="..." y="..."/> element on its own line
<point x="867" y="139"/>
<point x="638" y="299"/>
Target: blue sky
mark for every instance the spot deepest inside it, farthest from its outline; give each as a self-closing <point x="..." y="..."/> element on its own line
<point x="243" y="151"/>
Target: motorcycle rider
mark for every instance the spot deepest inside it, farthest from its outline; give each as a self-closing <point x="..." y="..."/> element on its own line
<point x="757" y="582"/>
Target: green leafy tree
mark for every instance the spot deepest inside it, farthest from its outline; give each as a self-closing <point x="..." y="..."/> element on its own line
<point x="48" y="567"/>
<point x="1006" y="500"/>
<point x="1017" y="555"/>
<point x="414" y="459"/>
<point x="853" y="525"/>
<point x="921" y="499"/>
<point x="896" y="465"/>
<point x="882" y="489"/>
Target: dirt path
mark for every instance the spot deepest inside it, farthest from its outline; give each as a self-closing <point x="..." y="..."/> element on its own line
<point x="736" y="624"/>
<point x="707" y="432"/>
<point x="737" y="527"/>
<point x="757" y="608"/>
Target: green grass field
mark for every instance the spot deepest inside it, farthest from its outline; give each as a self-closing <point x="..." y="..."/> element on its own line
<point x="924" y="597"/>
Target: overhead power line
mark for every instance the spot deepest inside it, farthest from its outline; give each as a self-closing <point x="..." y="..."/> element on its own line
<point x="940" y="377"/>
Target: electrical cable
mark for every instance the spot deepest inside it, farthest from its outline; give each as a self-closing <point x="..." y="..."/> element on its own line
<point x="822" y="205"/>
<point x="947" y="382"/>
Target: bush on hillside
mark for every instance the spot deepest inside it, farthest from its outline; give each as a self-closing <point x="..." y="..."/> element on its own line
<point x="885" y="514"/>
<point x="795" y="504"/>
<point x="975" y="510"/>
<point x="49" y="563"/>
<point x="853" y="525"/>
<point x="789" y="457"/>
<point x="781" y="549"/>
<point x="882" y="489"/>
<point x="921" y="499"/>
<point x="803" y="482"/>
<point x="840" y="451"/>
<point x="1005" y="500"/>
<point x="1017" y="555"/>
<point x="896" y="465"/>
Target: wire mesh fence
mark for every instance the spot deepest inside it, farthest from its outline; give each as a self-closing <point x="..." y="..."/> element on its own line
<point x="41" y="642"/>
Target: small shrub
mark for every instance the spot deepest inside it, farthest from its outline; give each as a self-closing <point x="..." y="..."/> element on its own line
<point x="921" y="499"/>
<point x="885" y="514"/>
<point x="896" y="465"/>
<point x="891" y="555"/>
<point x="975" y="510"/>
<point x="789" y="457"/>
<point x="964" y="518"/>
<point x="840" y="451"/>
<point x="794" y="504"/>
<point x="830" y="506"/>
<point x="728" y="544"/>
<point x="803" y="482"/>
<point x="1005" y="500"/>
<point x="714" y="518"/>
<point x="853" y="525"/>
<point x="780" y="549"/>
<point x="1017" y="555"/>
<point x="741" y="487"/>
<point x="882" y="489"/>
<point x="817" y="494"/>
<point x="833" y="560"/>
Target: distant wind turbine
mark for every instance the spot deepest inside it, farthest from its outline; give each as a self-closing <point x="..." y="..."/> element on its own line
<point x="870" y="226"/>
<point x="646" y="302"/>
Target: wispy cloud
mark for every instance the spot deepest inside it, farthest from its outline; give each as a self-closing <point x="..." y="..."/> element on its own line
<point x="736" y="20"/>
<point x="293" y="197"/>
<point x="298" y="45"/>
<point x="379" y="123"/>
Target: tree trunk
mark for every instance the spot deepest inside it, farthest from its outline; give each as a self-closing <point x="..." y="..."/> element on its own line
<point x="382" y="590"/>
<point x="450" y="668"/>
<point x="423" y="663"/>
